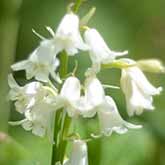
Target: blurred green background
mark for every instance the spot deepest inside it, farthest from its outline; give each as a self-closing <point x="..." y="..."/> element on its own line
<point x="137" y="26"/>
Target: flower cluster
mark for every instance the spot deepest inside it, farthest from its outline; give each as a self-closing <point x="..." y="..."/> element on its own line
<point x="38" y="101"/>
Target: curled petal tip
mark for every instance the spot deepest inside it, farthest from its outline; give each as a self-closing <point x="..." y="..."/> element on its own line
<point x="96" y="136"/>
<point x="125" y="52"/>
<point x="133" y="126"/>
<point x="160" y="89"/>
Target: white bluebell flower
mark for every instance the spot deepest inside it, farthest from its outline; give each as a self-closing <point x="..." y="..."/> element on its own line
<point x="38" y="119"/>
<point x="110" y="119"/>
<point x="41" y="63"/>
<point x="138" y="90"/>
<point x="25" y="96"/>
<point x="99" y="52"/>
<point x="93" y="97"/>
<point x="67" y="36"/>
<point x="36" y="102"/>
<point x="69" y="94"/>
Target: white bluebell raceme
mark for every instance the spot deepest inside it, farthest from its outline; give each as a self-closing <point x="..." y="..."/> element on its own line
<point x="38" y="101"/>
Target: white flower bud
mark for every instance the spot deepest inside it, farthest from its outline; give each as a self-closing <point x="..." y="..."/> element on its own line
<point x="79" y="153"/>
<point x="151" y="65"/>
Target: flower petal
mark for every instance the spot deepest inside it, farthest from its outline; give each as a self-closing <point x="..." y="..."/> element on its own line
<point x="71" y="89"/>
<point x="141" y="81"/>
<point x="68" y="37"/>
<point x="22" y="65"/>
<point x="98" y="49"/>
<point x="11" y="81"/>
<point x="110" y="119"/>
<point x="94" y="91"/>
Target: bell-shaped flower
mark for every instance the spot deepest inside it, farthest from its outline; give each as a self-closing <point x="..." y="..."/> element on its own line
<point x="93" y="97"/>
<point x="25" y="96"/>
<point x="110" y="119"/>
<point x="79" y="153"/>
<point x="99" y="52"/>
<point x="36" y="102"/>
<point x="38" y="119"/>
<point x="71" y="89"/>
<point x="94" y="91"/>
<point x="74" y="103"/>
<point x="41" y="63"/>
<point x="138" y="90"/>
<point x="69" y="94"/>
<point x="67" y="36"/>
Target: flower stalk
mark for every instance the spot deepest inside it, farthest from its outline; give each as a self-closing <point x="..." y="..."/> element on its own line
<point x="77" y="5"/>
<point x="61" y="117"/>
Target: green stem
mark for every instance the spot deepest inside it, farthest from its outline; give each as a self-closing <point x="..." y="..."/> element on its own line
<point x="77" y="5"/>
<point x="55" y="138"/>
<point x="63" y="144"/>
<point x="65" y="122"/>
<point x="63" y="64"/>
<point x="60" y="117"/>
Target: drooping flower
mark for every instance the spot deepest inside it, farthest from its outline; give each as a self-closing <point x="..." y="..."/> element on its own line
<point x="69" y="94"/>
<point x="38" y="119"/>
<point x="95" y="101"/>
<point x="93" y="97"/>
<point x="41" y="63"/>
<point x="74" y="103"/>
<point x="110" y="119"/>
<point x="94" y="91"/>
<point x="25" y="96"/>
<point x="36" y="103"/>
<point x="99" y="52"/>
<point x="67" y="36"/>
<point x="138" y="90"/>
<point x="79" y="153"/>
